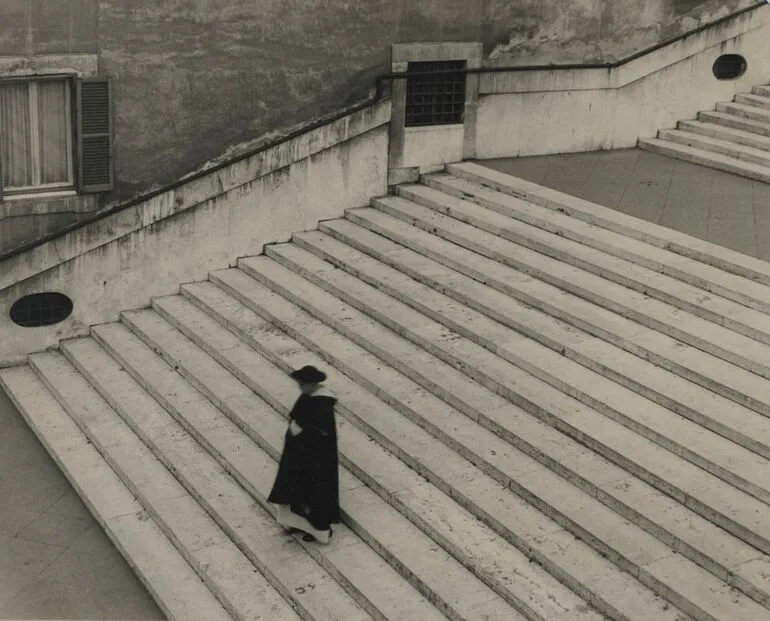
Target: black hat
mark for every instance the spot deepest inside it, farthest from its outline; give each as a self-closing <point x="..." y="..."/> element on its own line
<point x="308" y="375"/>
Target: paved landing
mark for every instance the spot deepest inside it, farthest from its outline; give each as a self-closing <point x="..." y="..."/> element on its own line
<point x="55" y="560"/>
<point x="716" y="206"/>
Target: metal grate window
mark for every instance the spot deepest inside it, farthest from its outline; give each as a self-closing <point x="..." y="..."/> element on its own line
<point x="41" y="309"/>
<point x="729" y="67"/>
<point x="435" y="95"/>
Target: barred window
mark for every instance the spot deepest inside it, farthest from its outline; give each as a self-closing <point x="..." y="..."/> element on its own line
<point x="435" y="95"/>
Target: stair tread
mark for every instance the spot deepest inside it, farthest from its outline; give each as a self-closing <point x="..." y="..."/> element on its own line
<point x="666" y="134"/>
<point x="630" y="226"/>
<point x="670" y="286"/>
<point x="515" y="514"/>
<point x="716" y="116"/>
<point x="518" y="212"/>
<point x="745" y="108"/>
<point x="232" y="575"/>
<point x="561" y="336"/>
<point x="256" y="468"/>
<point x="234" y="396"/>
<point x="165" y="573"/>
<point x="684" y="326"/>
<point x="730" y="133"/>
<point x="323" y="304"/>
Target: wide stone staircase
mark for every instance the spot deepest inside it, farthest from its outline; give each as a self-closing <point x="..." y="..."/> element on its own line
<point x="547" y="411"/>
<point x="735" y="137"/>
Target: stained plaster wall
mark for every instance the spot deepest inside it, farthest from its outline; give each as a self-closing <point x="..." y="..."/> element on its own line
<point x="120" y="262"/>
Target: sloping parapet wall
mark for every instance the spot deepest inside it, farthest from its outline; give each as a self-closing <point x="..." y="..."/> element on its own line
<point x="124" y="259"/>
<point x="548" y="110"/>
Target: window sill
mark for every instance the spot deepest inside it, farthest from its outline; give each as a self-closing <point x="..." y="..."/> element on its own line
<point x="428" y="128"/>
<point x="40" y="195"/>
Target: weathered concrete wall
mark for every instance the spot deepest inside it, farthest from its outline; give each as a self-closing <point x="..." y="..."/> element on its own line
<point x="29" y="27"/>
<point x="123" y="260"/>
<point x="194" y="77"/>
<point x="542" y="112"/>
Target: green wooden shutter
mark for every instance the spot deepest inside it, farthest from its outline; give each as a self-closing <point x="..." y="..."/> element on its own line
<point x="94" y="116"/>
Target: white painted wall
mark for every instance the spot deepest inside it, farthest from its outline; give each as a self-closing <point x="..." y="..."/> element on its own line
<point x="432" y="145"/>
<point x="544" y="112"/>
<point x="123" y="260"/>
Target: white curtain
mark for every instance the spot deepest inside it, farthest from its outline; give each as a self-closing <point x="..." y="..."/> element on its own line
<point x="15" y="132"/>
<point x="35" y="135"/>
<point x="53" y="110"/>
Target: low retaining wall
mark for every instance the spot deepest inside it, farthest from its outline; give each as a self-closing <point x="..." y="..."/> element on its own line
<point x="562" y="111"/>
<point x="123" y="260"/>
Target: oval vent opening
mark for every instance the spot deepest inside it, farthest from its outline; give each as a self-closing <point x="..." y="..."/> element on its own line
<point x="41" y="309"/>
<point x="729" y="67"/>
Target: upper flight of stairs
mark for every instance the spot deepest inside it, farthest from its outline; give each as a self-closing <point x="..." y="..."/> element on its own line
<point x="735" y="137"/>
<point x="548" y="411"/>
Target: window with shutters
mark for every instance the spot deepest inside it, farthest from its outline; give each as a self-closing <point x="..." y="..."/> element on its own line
<point x="55" y="134"/>
<point x="36" y="137"/>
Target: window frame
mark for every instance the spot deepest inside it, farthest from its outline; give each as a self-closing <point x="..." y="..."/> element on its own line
<point x="70" y="185"/>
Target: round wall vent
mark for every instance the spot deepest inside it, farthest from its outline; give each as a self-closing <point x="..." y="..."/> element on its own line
<point x="729" y="67"/>
<point x="41" y="309"/>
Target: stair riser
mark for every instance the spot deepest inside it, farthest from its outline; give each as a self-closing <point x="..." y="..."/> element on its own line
<point x="522" y="363"/>
<point x="634" y="283"/>
<point x="696" y="142"/>
<point x="713" y="130"/>
<point x="750" y="100"/>
<point x="613" y="222"/>
<point x="736" y="122"/>
<point x="146" y="549"/>
<point x="754" y="113"/>
<point x="465" y="502"/>
<point x="349" y="520"/>
<point x="232" y="469"/>
<point x="763" y="91"/>
<point x="604" y="497"/>
<point x="625" y="311"/>
<point x="697" y="158"/>
<point x="576" y="236"/>
<point x="489" y="382"/>
<point x="147" y="506"/>
<point x="557" y="311"/>
<point x="523" y="328"/>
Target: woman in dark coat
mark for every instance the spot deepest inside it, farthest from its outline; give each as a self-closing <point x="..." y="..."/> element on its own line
<point x="306" y="489"/>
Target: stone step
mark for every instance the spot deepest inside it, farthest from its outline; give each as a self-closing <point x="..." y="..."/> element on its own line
<point x="736" y="122"/>
<point x="754" y="99"/>
<point x="716" y="145"/>
<point x="746" y="112"/>
<point x="230" y="575"/>
<point x="740" y="424"/>
<point x="178" y="590"/>
<point x="730" y="508"/>
<point x="488" y="318"/>
<point x="633" y="228"/>
<point x="354" y="325"/>
<point x="733" y="347"/>
<point x="388" y="281"/>
<point x="761" y="89"/>
<point x="444" y="581"/>
<point x="721" y="132"/>
<point x="510" y="213"/>
<point x="729" y="164"/>
<point x="519" y="522"/>
<point x="349" y="561"/>
<point x="628" y="270"/>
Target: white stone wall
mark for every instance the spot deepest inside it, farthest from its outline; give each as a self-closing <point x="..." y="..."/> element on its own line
<point x="565" y="111"/>
<point x="120" y="262"/>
